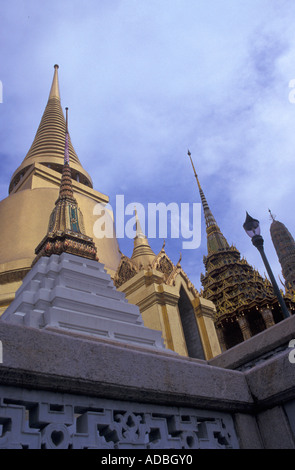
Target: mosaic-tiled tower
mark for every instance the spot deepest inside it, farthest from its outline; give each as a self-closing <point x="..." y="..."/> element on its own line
<point x="66" y="232"/>
<point x="245" y="301"/>
<point x="285" y="247"/>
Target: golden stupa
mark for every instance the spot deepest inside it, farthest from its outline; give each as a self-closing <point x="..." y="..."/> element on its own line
<point x="51" y="185"/>
<point x="33" y="191"/>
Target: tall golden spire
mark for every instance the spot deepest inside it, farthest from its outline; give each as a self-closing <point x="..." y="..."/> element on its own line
<point x="215" y="239"/>
<point x="142" y="254"/>
<point x="66" y="231"/>
<point x="48" y="145"/>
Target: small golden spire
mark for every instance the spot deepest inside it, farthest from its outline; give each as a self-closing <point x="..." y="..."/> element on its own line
<point x="142" y="254"/>
<point x="66" y="189"/>
<point x="139" y="232"/>
<point x="54" y="92"/>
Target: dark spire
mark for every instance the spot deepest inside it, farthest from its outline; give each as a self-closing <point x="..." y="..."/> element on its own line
<point x="285" y="248"/>
<point x="215" y="239"/>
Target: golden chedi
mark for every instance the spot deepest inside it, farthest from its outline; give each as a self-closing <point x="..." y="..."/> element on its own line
<point x="33" y="191"/>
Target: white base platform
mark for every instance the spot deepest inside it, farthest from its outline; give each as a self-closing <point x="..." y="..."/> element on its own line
<point x="76" y="294"/>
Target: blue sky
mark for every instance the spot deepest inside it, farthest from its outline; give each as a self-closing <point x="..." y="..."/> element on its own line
<point x="144" y="81"/>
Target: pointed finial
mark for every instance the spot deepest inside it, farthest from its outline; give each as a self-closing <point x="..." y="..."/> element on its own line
<point x="190" y="156"/>
<point x="271" y="215"/>
<point x="139" y="232"/>
<point x="195" y="173"/>
<point x="54" y="91"/>
<point x="215" y="239"/>
<point x="180" y="258"/>
<point x="136" y="216"/>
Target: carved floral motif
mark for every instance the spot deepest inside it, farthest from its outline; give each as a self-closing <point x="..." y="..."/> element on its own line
<point x="126" y="271"/>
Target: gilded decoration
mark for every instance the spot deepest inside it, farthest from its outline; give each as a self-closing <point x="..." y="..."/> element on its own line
<point x="165" y="266"/>
<point x="69" y="242"/>
<point x="235" y="287"/>
<point x="126" y="271"/>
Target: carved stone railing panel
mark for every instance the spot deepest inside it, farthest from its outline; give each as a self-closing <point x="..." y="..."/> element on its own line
<point x="39" y="419"/>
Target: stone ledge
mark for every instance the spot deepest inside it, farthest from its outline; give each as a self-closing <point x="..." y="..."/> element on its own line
<point x="251" y="350"/>
<point x="68" y="363"/>
<point x="272" y="383"/>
